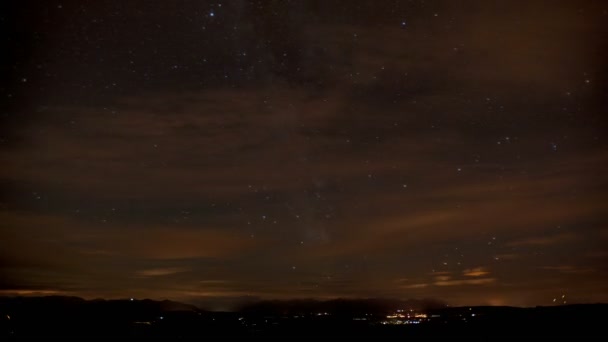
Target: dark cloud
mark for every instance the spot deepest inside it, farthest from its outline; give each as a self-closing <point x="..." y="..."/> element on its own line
<point x="319" y="149"/>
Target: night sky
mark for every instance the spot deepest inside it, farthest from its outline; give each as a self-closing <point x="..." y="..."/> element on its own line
<point x="211" y="152"/>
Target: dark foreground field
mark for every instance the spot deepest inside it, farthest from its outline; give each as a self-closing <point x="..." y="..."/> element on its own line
<point x="69" y="317"/>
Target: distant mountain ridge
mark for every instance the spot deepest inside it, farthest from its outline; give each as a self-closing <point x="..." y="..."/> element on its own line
<point x="72" y="301"/>
<point x="367" y="305"/>
<point x="56" y="316"/>
<point x="340" y="305"/>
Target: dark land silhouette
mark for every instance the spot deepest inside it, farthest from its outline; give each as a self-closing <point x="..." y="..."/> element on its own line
<point x="54" y="316"/>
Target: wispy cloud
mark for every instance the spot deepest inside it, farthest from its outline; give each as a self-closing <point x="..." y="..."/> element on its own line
<point x="370" y="168"/>
<point x="567" y="269"/>
<point x="507" y="256"/>
<point x="156" y="272"/>
<point x="543" y="240"/>
<point x="458" y="282"/>
<point x="29" y="292"/>
<point x="475" y="272"/>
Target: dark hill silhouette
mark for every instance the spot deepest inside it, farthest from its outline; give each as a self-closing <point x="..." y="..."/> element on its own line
<point x="339" y="306"/>
<point x="75" y="317"/>
<point x="59" y="315"/>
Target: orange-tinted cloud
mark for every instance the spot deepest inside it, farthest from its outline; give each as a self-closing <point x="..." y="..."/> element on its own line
<point x="459" y="282"/>
<point x="543" y="240"/>
<point x="475" y="272"/>
<point x="158" y="272"/>
<point x="329" y="164"/>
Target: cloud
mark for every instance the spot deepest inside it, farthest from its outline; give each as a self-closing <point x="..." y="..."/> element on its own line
<point x="475" y="272"/>
<point x="416" y="286"/>
<point x="459" y="282"/>
<point x="28" y="292"/>
<point x="362" y="161"/>
<point x="599" y="254"/>
<point x="507" y="256"/>
<point x="442" y="278"/>
<point x="567" y="269"/>
<point x="171" y="243"/>
<point x="71" y="235"/>
<point x="156" y="272"/>
<point x="543" y="240"/>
